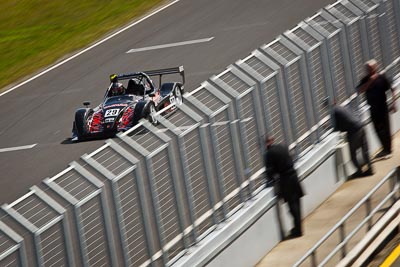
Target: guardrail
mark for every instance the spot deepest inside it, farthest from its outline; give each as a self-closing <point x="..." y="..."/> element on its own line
<point x="377" y="200"/>
<point x="149" y="194"/>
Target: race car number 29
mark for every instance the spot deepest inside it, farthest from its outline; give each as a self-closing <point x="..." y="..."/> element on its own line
<point x="111" y="112"/>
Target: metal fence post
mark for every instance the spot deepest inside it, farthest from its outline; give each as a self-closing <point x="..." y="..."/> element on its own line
<point x="342" y="238"/>
<point x="210" y="176"/>
<point x="368" y="210"/>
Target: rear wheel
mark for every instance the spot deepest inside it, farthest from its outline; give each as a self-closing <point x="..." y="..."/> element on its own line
<point x="151" y="113"/>
<point x="178" y="96"/>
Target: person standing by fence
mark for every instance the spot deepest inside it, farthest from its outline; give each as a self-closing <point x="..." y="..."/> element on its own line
<point x="280" y="172"/>
<point x="375" y="85"/>
<point x="344" y="120"/>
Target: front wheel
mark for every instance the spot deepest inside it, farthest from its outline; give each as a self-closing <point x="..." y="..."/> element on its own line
<point x="79" y="130"/>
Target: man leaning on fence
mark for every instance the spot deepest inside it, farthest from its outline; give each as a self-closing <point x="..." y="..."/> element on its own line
<point x="375" y="85"/>
<point x="281" y="174"/>
<point x="345" y="120"/>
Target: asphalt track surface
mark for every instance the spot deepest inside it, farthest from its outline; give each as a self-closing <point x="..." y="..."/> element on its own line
<point x="40" y="112"/>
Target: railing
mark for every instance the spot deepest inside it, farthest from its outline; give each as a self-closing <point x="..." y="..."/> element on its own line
<point x="149" y="194"/>
<point x="380" y="197"/>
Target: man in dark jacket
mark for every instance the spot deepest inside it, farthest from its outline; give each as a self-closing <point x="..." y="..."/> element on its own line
<point x="344" y="120"/>
<point x="375" y="86"/>
<point x="279" y="168"/>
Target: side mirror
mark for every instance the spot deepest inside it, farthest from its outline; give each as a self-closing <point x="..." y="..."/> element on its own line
<point x="86" y="103"/>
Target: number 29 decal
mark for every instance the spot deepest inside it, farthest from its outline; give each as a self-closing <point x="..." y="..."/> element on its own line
<point x="111" y="112"/>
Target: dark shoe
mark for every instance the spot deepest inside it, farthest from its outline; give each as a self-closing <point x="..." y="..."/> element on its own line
<point x="355" y="175"/>
<point x="368" y="172"/>
<point x="383" y="154"/>
<point x="293" y="235"/>
<point x="380" y="154"/>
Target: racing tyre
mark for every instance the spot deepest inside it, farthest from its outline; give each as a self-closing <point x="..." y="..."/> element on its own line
<point x="79" y="124"/>
<point x="151" y="113"/>
<point x="178" y="95"/>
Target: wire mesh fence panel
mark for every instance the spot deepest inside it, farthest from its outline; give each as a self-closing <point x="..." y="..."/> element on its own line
<point x="271" y="100"/>
<point x="192" y="180"/>
<point x="11" y="247"/>
<point x="227" y="173"/>
<point x="73" y="182"/>
<point x="52" y="246"/>
<point x="195" y="168"/>
<point x="11" y="260"/>
<point x="206" y="99"/>
<point x="43" y="218"/>
<point x="331" y="29"/>
<point x="147" y="139"/>
<point x="166" y="202"/>
<point x="296" y="83"/>
<point x="392" y="29"/>
<point x="217" y="114"/>
<point x="354" y="22"/>
<point x="319" y="74"/>
<point x="164" y="189"/>
<point x="374" y="26"/>
<point x="114" y="162"/>
<point x="35" y="211"/>
<point x="245" y="97"/>
<point x="84" y="191"/>
<point x="184" y="127"/>
<point x="265" y="72"/>
<point x="250" y="137"/>
<point x="131" y="220"/>
<point x="390" y="32"/>
<point x="231" y="80"/>
<point x="181" y="120"/>
<point x="93" y="233"/>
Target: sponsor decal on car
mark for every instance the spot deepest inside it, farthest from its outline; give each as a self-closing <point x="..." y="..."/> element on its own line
<point x="109" y="120"/>
<point x="114" y="105"/>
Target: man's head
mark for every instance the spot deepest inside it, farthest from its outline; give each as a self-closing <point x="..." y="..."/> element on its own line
<point x="269" y="140"/>
<point x="371" y="66"/>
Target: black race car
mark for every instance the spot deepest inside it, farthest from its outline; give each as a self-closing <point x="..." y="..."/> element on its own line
<point x="124" y="105"/>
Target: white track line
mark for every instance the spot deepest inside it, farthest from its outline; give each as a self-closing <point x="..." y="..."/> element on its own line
<point x="170" y="45"/>
<point x="16" y="148"/>
<point x="89" y="48"/>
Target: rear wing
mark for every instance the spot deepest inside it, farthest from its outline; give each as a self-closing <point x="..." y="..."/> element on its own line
<point x="159" y="72"/>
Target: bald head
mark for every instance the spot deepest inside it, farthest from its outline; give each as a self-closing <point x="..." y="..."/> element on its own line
<point x="269" y="140"/>
<point x="372" y="66"/>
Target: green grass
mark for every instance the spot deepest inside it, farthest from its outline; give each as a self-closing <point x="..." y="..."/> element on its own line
<point x="36" y="33"/>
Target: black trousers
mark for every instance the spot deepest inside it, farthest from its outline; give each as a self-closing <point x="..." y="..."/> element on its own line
<point x="358" y="140"/>
<point x="382" y="129"/>
<point x="295" y="211"/>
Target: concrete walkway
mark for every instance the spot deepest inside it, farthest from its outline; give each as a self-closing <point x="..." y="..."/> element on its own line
<point x="319" y="222"/>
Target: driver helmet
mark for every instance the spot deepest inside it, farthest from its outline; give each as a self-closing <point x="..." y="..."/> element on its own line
<point x="117" y="88"/>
